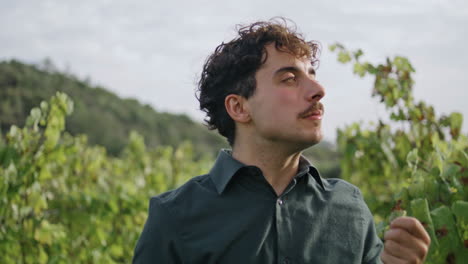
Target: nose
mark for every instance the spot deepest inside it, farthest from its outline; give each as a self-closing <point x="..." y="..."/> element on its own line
<point x="314" y="91"/>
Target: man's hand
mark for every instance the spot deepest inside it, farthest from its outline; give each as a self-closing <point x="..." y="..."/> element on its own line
<point x="406" y="242"/>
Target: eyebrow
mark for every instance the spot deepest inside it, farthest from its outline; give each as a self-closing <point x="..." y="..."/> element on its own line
<point x="293" y="69"/>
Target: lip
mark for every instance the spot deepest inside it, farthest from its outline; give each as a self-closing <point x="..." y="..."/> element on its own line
<point x="313" y="112"/>
<point x="314" y="115"/>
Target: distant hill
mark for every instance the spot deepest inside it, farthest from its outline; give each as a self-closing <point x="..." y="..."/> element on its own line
<point x="108" y="119"/>
<point x="104" y="117"/>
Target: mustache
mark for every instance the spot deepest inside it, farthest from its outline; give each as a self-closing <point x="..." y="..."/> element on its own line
<point x="314" y="107"/>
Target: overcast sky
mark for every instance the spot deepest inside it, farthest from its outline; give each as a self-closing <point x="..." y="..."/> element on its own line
<point x="154" y="50"/>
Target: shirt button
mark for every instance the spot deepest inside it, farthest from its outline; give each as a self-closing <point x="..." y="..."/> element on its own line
<point x="280" y="201"/>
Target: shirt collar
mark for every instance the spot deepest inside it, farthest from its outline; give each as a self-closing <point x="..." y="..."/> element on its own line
<point x="305" y="166"/>
<point x="226" y="167"/>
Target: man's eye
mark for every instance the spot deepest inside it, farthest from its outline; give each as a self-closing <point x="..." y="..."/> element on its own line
<point x="290" y="79"/>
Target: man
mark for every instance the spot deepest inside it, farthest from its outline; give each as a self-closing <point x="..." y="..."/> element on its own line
<point x="263" y="202"/>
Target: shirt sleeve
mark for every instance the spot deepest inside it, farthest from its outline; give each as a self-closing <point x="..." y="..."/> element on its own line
<point x="373" y="245"/>
<point x="158" y="243"/>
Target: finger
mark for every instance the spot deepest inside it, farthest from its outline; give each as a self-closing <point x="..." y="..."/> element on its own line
<point x="413" y="226"/>
<point x="407" y="240"/>
<point x="397" y="250"/>
<point x="390" y="259"/>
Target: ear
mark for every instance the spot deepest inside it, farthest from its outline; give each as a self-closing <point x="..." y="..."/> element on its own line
<point x="237" y="108"/>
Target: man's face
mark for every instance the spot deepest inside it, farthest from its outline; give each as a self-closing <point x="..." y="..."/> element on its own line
<point x="285" y="107"/>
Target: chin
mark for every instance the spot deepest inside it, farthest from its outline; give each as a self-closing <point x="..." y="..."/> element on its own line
<point x="315" y="137"/>
<point x="314" y="142"/>
<point x="318" y="138"/>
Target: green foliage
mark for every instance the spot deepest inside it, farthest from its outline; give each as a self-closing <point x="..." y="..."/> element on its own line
<point x="64" y="201"/>
<point x="415" y="164"/>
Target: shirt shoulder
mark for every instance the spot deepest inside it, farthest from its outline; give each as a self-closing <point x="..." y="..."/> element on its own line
<point x="341" y="186"/>
<point x="162" y="238"/>
<point x="343" y="193"/>
<point x="181" y="199"/>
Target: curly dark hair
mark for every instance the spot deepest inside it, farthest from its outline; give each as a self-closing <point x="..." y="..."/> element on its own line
<point x="231" y="68"/>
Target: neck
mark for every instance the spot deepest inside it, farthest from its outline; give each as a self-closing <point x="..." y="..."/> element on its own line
<point x="278" y="165"/>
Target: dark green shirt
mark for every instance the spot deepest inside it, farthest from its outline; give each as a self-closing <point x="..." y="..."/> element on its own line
<point x="233" y="215"/>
